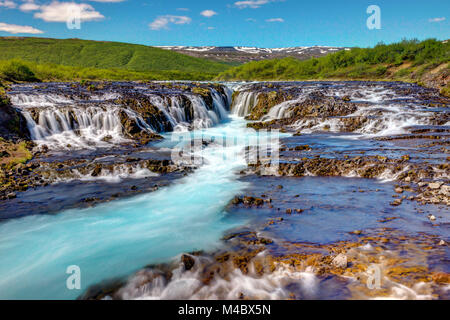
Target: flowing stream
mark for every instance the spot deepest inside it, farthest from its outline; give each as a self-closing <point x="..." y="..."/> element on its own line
<point x="117" y="238"/>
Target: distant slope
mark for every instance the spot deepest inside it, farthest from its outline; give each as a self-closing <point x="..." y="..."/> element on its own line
<point x="425" y="61"/>
<point x="238" y="55"/>
<point x="103" y="55"/>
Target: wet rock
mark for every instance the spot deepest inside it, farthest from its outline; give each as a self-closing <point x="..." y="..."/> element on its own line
<point x="435" y="185"/>
<point x="107" y="138"/>
<point x="97" y="171"/>
<point x="441" y="278"/>
<point x="11" y="195"/>
<point x="340" y="261"/>
<point x="432" y="217"/>
<point x="445" y="190"/>
<point x="187" y="261"/>
<point x="397" y="202"/>
<point x="398" y="190"/>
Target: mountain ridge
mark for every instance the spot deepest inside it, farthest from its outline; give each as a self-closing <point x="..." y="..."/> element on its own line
<point x="243" y="54"/>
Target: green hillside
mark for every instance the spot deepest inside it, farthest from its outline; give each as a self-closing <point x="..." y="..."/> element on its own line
<point x="407" y="61"/>
<point x="103" y="55"/>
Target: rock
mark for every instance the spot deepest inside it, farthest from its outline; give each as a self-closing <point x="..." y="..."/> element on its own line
<point x="432" y="217"/>
<point x="280" y="187"/>
<point x="188" y="262"/>
<point x="399" y="190"/>
<point x="441" y="277"/>
<point x="435" y="185"/>
<point x="357" y="232"/>
<point x="11" y="195"/>
<point x="408" y="179"/>
<point x="97" y="171"/>
<point x="107" y="138"/>
<point x="422" y="184"/>
<point x="236" y="201"/>
<point x="302" y="148"/>
<point x="340" y="261"/>
<point x="4" y="154"/>
<point x="134" y="188"/>
<point x="442" y="243"/>
<point x="445" y="190"/>
<point x="289" y="211"/>
<point x="396" y="202"/>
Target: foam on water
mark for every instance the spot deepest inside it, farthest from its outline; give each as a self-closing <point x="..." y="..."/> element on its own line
<point x="149" y="285"/>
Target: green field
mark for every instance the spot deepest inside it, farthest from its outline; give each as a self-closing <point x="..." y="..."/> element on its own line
<point x="113" y="58"/>
<point x="404" y="60"/>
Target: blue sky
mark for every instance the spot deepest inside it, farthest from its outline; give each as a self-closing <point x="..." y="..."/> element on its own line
<point x="261" y="23"/>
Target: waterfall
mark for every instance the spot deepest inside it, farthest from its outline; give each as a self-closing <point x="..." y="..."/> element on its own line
<point x="244" y="103"/>
<point x="76" y="126"/>
<point x="282" y="110"/>
<point x="63" y="119"/>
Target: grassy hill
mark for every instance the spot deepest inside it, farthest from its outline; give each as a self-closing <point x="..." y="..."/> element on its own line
<point x="103" y="55"/>
<point x="412" y="60"/>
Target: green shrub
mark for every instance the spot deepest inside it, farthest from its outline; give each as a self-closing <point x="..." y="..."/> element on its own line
<point x="16" y="70"/>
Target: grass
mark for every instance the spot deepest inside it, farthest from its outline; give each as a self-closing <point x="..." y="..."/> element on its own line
<point x="22" y="71"/>
<point x="357" y="63"/>
<point x="103" y="55"/>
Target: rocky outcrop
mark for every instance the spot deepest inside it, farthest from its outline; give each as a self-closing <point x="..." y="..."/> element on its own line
<point x="12" y="124"/>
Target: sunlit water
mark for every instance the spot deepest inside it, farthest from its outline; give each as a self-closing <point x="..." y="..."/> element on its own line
<point x="117" y="238"/>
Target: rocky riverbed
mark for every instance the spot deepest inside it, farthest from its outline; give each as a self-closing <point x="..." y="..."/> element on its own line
<point x="356" y="186"/>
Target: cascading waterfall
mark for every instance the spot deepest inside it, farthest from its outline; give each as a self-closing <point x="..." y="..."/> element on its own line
<point x="244" y="103"/>
<point x="282" y="110"/>
<point x="78" y="127"/>
<point x="67" y="121"/>
<point x="378" y="108"/>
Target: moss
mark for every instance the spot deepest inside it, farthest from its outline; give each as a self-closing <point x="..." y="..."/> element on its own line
<point x="15" y="153"/>
<point x="204" y="92"/>
<point x="266" y="101"/>
<point x="446" y="91"/>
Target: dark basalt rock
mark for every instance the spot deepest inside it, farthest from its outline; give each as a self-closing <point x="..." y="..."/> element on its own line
<point x="187" y="261"/>
<point x="13" y="125"/>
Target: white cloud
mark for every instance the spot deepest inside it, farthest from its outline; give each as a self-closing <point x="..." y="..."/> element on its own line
<point x="211" y="28"/>
<point x="251" y="3"/>
<point x="250" y="20"/>
<point x="275" y="20"/>
<point x="13" y="28"/>
<point x="29" y="6"/>
<point x="208" y="13"/>
<point x="66" y="11"/>
<point x="162" y="22"/>
<point x="437" y="19"/>
<point x="183" y="9"/>
<point x="8" y="4"/>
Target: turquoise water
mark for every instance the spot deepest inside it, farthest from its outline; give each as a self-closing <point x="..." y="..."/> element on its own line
<point x="115" y="239"/>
